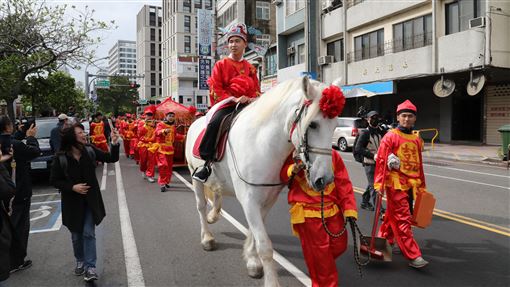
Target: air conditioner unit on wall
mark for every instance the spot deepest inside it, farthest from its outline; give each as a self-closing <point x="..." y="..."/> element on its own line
<point x="477" y="22"/>
<point x="324" y="60"/>
<point x="291" y="50"/>
<point x="277" y="2"/>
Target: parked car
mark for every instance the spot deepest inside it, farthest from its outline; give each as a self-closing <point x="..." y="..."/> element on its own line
<point x="42" y="164"/>
<point x="346" y="131"/>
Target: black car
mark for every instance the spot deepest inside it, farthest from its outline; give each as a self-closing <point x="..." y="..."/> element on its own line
<point x="42" y="164"/>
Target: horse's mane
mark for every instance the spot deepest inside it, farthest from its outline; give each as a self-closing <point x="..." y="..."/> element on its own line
<point x="267" y="104"/>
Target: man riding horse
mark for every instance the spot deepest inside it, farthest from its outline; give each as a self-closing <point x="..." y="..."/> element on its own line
<point x="233" y="83"/>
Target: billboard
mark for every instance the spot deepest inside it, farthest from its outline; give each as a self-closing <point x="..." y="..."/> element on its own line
<point x="205" y="32"/>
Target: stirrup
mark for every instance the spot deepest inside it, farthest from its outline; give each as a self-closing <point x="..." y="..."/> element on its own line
<point x="203" y="174"/>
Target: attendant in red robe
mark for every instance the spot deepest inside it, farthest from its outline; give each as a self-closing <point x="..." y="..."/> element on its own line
<point x="166" y="134"/>
<point x="127" y="134"/>
<point x="233" y="80"/>
<point x="320" y="249"/>
<point x="399" y="173"/>
<point x="133" y="145"/>
<point x="146" y="139"/>
<point x="97" y="136"/>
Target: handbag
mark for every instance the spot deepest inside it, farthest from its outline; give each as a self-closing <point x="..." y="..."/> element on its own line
<point x="423" y="209"/>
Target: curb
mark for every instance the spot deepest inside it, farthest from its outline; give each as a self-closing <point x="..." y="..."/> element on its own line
<point x="468" y="158"/>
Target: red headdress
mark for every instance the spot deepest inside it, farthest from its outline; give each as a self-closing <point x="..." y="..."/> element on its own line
<point x="332" y="102"/>
<point x="406" y="107"/>
<point x="150" y="109"/>
<point x="238" y="30"/>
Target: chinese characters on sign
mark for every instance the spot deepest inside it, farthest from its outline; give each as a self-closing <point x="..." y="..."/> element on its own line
<point x="204" y="71"/>
<point x="205" y="30"/>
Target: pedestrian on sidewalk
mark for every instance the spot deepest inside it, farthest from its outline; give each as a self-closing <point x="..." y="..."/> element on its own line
<point x="399" y="169"/>
<point x="166" y="135"/>
<point x="7" y="192"/>
<point x="147" y="139"/>
<point x="366" y="148"/>
<point x="319" y="248"/>
<point x="55" y="133"/>
<point x="74" y="173"/>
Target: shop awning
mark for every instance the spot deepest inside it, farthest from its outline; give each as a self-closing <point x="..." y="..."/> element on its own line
<point x="368" y="90"/>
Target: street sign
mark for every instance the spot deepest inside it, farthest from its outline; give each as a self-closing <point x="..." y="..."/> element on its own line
<point x="102" y="84"/>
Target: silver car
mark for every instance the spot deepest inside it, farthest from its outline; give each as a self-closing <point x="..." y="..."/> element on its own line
<point x="346" y="131"/>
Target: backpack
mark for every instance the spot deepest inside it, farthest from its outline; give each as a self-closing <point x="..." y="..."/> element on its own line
<point x="63" y="159"/>
<point x="357" y="156"/>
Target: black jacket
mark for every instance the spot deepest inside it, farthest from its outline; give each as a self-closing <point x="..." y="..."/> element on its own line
<point x="55" y="137"/>
<point x="23" y="154"/>
<point x="82" y="171"/>
<point x="7" y="191"/>
<point x="371" y="135"/>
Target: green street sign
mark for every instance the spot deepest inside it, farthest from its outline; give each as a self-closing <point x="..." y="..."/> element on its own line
<point x="102" y="84"/>
<point x="142" y="101"/>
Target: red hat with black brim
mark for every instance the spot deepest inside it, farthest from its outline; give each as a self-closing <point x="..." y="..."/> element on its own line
<point x="406" y="107"/>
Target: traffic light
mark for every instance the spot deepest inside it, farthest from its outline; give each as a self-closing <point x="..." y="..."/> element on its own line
<point x="134" y="85"/>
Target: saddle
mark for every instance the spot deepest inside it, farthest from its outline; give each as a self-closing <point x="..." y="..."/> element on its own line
<point x="221" y="140"/>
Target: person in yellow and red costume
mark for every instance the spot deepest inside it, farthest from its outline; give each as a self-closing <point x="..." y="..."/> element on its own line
<point x="133" y="145"/>
<point x="399" y="173"/>
<point x="127" y="134"/>
<point x="166" y="134"/>
<point x="319" y="248"/>
<point x="146" y="140"/>
<point x="97" y="136"/>
<point x="233" y="81"/>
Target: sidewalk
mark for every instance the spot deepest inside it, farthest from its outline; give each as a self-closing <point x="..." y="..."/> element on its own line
<point x="486" y="154"/>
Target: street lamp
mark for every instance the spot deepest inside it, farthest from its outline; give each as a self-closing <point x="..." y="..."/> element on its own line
<point x="87" y="84"/>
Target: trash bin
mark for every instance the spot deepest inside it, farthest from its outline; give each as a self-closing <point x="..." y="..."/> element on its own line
<point x="505" y="138"/>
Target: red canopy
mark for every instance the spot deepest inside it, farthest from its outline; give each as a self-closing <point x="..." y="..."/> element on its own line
<point x="182" y="113"/>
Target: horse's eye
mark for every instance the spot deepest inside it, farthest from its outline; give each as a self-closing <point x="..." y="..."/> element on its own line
<point x="314" y="125"/>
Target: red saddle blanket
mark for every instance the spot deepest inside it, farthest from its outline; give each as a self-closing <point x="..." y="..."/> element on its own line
<point x="220" y="148"/>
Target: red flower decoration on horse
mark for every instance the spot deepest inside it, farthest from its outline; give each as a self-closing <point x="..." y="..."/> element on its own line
<point x="332" y="102"/>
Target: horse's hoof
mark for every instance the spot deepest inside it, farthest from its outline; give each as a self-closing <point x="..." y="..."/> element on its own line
<point x="212" y="217"/>
<point x="256" y="272"/>
<point x="209" y="245"/>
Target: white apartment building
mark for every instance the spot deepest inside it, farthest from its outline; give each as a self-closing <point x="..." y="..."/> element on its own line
<point x="149" y="52"/>
<point x="122" y="58"/>
<point x="179" y="52"/>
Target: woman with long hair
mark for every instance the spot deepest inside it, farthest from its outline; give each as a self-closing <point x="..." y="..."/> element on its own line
<point x="74" y="174"/>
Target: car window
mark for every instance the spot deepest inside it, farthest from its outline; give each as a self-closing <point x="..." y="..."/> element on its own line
<point x="44" y="128"/>
<point x="360" y="124"/>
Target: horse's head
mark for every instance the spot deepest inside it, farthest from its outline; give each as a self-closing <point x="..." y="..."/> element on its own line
<point x="311" y="128"/>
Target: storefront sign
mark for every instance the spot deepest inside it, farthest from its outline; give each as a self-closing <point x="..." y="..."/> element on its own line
<point x="204" y="71"/>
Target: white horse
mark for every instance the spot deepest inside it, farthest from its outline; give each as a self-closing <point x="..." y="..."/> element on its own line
<point x="257" y="148"/>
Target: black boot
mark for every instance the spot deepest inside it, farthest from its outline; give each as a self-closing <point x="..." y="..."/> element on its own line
<point x="202" y="173"/>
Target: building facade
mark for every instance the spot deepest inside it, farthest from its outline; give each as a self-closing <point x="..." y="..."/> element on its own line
<point x="122" y="58"/>
<point x="397" y="50"/>
<point x="180" y="57"/>
<point x="148" y="56"/>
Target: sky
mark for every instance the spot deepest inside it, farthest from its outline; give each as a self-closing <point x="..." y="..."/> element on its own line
<point x="123" y="12"/>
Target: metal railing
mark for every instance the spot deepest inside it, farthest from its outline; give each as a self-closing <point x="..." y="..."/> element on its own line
<point x="389" y="47"/>
<point x="418" y="132"/>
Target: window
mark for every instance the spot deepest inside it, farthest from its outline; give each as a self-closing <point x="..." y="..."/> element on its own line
<point x="187" y="24"/>
<point x="262" y="10"/>
<point x="187" y="44"/>
<point x="208" y="4"/>
<point x="291" y="60"/>
<point x="153" y="49"/>
<point x="301" y="53"/>
<point x="199" y="100"/>
<point x="195" y="84"/>
<point x="263" y="40"/>
<point x="292" y="6"/>
<point x="181" y="99"/>
<point x="153" y="34"/>
<point x="152" y="19"/>
<point x="198" y="4"/>
<point x="159" y="37"/>
<point x="186" y="6"/>
<point x="271" y="63"/>
<point x="336" y="49"/>
<point x="153" y="79"/>
<point x="369" y="45"/>
<point x="460" y="12"/>
<point x="411" y="34"/>
<point x="153" y="92"/>
<point x="153" y="64"/>
<point x="188" y="100"/>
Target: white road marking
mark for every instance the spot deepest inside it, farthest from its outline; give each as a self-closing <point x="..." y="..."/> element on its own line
<point x="470" y="181"/>
<point x="44" y="202"/>
<point x="43" y="210"/>
<point x="469" y="171"/>
<point x="133" y="266"/>
<point x="45" y="194"/>
<point x="300" y="275"/>
<point x="55" y="227"/>
<point x="103" y="179"/>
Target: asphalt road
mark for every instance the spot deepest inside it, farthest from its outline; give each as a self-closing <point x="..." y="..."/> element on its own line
<point x="467" y="244"/>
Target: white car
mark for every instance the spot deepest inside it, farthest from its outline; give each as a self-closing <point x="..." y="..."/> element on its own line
<point x="346" y="131"/>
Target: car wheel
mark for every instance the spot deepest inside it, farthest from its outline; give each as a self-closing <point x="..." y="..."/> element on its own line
<point x="342" y="144"/>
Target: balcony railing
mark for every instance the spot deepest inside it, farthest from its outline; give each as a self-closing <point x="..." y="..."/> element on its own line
<point x="389" y="47"/>
<point x="351" y="3"/>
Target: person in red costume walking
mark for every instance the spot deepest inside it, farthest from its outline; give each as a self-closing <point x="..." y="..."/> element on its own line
<point x="147" y="137"/>
<point x="166" y="134"/>
<point x="319" y="248"/>
<point x="233" y="81"/>
<point x="97" y="137"/>
<point x="399" y="173"/>
<point x="133" y="145"/>
<point x="127" y="134"/>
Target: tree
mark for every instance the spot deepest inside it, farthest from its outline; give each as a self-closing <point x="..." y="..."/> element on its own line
<point x="118" y="98"/>
<point x="57" y="92"/>
<point x="36" y="37"/>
